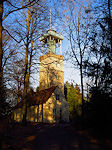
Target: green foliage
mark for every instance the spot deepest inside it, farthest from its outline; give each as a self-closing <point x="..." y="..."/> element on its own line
<point x="73" y="97"/>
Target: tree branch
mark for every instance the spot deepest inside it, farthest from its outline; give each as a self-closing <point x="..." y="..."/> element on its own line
<point x="27" y="5"/>
<point x="11" y="36"/>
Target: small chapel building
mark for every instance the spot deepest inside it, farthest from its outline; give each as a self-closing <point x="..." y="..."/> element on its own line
<point x="49" y="104"/>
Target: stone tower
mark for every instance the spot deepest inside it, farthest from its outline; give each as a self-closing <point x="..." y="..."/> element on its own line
<point x="52" y="67"/>
<point x="52" y="74"/>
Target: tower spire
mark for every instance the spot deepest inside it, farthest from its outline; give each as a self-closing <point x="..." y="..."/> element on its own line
<point x="50" y="20"/>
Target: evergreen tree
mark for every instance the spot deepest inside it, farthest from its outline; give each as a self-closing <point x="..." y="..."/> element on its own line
<point x="73" y="96"/>
<point x="99" y="67"/>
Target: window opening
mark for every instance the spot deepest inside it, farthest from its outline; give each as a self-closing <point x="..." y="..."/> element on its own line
<point x="56" y="76"/>
<point x="57" y="97"/>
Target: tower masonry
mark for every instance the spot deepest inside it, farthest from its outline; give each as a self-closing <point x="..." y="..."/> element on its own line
<point x="52" y="74"/>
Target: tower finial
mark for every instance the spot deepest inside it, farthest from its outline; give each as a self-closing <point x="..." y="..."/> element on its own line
<point x="50" y="20"/>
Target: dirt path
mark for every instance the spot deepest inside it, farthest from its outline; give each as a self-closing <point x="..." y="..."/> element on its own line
<point x="53" y="137"/>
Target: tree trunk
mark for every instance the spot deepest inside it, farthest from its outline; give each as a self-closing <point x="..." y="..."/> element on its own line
<point x="26" y="75"/>
<point x="82" y="89"/>
<point x="80" y="64"/>
<point x="42" y="112"/>
<point x="38" y="113"/>
<point x="25" y="86"/>
<point x="1" y="50"/>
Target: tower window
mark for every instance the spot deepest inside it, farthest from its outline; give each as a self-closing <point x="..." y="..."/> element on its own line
<point x="54" y="111"/>
<point x="49" y="107"/>
<point x="57" y="76"/>
<point x="57" y="97"/>
<point x="56" y="64"/>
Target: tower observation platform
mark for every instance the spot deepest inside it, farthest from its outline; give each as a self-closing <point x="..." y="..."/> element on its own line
<point x="51" y="38"/>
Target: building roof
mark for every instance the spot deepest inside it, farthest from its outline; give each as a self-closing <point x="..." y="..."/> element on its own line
<point x="36" y="98"/>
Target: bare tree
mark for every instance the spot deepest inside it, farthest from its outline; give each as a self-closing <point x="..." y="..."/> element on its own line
<point x="76" y="22"/>
<point x="12" y="6"/>
<point x="29" y="28"/>
<point x="3" y="16"/>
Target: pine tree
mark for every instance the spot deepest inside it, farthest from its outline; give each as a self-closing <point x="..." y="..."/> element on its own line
<point x="73" y="96"/>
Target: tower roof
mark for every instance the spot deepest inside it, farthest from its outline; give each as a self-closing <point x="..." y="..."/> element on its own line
<point x="51" y="33"/>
